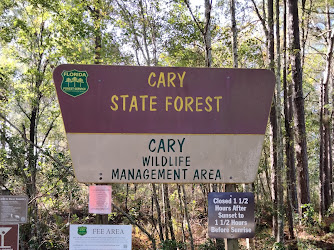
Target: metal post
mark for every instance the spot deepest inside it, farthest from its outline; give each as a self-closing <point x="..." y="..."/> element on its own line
<point x="231" y="244"/>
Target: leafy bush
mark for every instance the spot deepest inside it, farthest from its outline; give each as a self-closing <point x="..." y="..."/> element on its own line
<point x="278" y="246"/>
<point x="331" y="227"/>
<point x="209" y="244"/>
<point x="172" y="244"/>
<point x="308" y="215"/>
<point x="309" y="219"/>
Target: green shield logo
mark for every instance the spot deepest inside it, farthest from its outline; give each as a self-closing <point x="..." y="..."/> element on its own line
<point x="74" y="82"/>
<point x="82" y="230"/>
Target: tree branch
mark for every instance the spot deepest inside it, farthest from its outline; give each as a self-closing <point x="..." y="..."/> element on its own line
<point x="128" y="16"/>
<point x="49" y="129"/>
<point x="207" y="24"/>
<point x="133" y="221"/>
<point x="262" y="20"/>
<point x="194" y="18"/>
<point x="34" y="145"/>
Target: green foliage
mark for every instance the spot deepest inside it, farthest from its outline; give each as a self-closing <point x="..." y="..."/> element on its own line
<point x="330" y="211"/>
<point x="172" y="244"/>
<point x="209" y="244"/>
<point x="309" y="219"/>
<point x="306" y="245"/>
<point x="279" y="246"/>
<point x="183" y="46"/>
<point x="308" y="215"/>
<point x="331" y="227"/>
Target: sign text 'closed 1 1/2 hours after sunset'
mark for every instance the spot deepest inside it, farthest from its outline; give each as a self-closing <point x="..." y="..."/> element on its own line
<point x="231" y="215"/>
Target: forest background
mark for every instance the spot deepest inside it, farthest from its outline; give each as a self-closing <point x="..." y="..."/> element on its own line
<point x="294" y="186"/>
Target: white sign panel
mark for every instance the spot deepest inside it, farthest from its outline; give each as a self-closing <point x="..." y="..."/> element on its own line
<point x="100" y="237"/>
<point x="100" y="199"/>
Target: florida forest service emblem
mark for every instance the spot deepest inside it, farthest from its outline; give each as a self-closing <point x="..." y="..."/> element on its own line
<point x="82" y="230"/>
<point x="74" y="82"/>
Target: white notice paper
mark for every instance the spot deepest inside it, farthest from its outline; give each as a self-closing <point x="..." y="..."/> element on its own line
<point x="100" y="237"/>
<point x="99" y="199"/>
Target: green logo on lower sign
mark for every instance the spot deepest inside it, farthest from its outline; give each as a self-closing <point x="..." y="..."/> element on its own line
<point x="74" y="82"/>
<point x="82" y="230"/>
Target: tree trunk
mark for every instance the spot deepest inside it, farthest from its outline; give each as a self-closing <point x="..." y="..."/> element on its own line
<point x="273" y="153"/>
<point x="325" y="137"/>
<point x="144" y="30"/>
<point x="289" y="149"/>
<point x="273" y="120"/>
<point x="328" y="135"/>
<point x="234" y="35"/>
<point x="31" y="186"/>
<point x="168" y="216"/>
<point x="207" y="32"/>
<point x="266" y="170"/>
<point x="305" y="21"/>
<point x="232" y="243"/>
<point x="96" y="13"/>
<point x="159" y="216"/>
<point x="181" y="211"/>
<point x="321" y="157"/>
<point x="298" y="102"/>
<point x="126" y="198"/>
<point x="187" y="218"/>
<point x="280" y="196"/>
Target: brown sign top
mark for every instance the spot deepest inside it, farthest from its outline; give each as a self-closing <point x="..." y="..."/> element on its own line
<point x="126" y="99"/>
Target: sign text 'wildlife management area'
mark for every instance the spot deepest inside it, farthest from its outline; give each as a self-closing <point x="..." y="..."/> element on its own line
<point x="129" y="124"/>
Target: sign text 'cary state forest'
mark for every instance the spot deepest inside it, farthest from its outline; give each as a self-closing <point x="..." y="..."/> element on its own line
<point x="171" y="103"/>
<point x="159" y="124"/>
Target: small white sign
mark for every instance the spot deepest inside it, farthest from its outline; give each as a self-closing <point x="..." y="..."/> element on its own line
<point x="100" y="199"/>
<point x="100" y="237"/>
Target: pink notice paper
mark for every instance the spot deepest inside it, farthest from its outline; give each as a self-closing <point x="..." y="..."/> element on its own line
<point x="100" y="199"/>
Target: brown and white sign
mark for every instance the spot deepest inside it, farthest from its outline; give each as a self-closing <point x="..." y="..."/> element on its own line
<point x="159" y="124"/>
<point x="9" y="237"/>
<point x="13" y="209"/>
